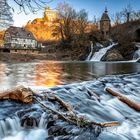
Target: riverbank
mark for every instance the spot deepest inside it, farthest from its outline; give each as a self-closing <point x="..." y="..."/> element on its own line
<point x="50" y="54"/>
<point x="10" y="57"/>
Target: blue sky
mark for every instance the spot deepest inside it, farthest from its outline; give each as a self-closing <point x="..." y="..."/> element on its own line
<point x="93" y="7"/>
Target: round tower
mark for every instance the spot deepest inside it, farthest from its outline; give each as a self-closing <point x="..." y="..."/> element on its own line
<point x="105" y="25"/>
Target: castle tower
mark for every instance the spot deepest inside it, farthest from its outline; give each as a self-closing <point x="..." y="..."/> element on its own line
<point x="105" y="25"/>
<point x="50" y="15"/>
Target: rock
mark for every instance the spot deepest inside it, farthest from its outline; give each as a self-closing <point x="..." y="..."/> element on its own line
<point x="29" y="122"/>
<point x="113" y="55"/>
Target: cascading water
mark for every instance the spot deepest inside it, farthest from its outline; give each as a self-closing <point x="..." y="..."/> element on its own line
<point x="91" y="51"/>
<point x="10" y="129"/>
<point x="43" y="121"/>
<point x="137" y="53"/>
<point x="98" y="45"/>
<point x="98" y="55"/>
<point x="9" y="126"/>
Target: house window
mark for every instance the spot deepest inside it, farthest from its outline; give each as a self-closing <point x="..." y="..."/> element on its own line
<point x="24" y="46"/>
<point x="29" y="34"/>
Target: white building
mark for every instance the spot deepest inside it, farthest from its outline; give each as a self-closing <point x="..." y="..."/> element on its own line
<point x="19" y="38"/>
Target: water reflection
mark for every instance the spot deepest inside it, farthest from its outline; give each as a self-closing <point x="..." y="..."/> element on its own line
<point x="2" y="70"/>
<point x="50" y="74"/>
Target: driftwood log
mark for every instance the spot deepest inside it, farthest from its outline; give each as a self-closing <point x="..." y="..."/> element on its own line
<point x="123" y="99"/>
<point x="19" y="93"/>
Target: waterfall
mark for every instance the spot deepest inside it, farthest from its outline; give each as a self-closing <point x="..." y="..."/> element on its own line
<point x="10" y="129"/>
<point x="98" y="55"/>
<point x="91" y="51"/>
<point x="137" y="53"/>
<point x="97" y="45"/>
<point x="9" y="126"/>
<point x="43" y="121"/>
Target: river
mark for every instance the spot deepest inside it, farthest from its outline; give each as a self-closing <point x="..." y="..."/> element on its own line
<point x="72" y="82"/>
<point x="51" y="73"/>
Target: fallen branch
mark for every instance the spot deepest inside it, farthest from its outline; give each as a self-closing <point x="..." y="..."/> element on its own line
<point x="124" y="99"/>
<point x="54" y="111"/>
<point x="76" y="120"/>
<point x="64" y="104"/>
<point x="93" y="94"/>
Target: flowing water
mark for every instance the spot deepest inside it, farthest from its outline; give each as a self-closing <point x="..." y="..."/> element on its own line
<point x="90" y="54"/>
<point x="98" y="55"/>
<point x="137" y="53"/>
<point x="50" y="73"/>
<point x="76" y="80"/>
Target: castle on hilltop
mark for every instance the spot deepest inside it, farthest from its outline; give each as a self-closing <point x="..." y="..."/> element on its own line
<point x="42" y="27"/>
<point x="49" y="16"/>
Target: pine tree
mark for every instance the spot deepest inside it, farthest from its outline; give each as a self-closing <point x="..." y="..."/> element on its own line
<point x="6" y="19"/>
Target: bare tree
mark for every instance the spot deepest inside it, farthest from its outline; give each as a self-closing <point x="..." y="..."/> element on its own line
<point x="127" y="13"/>
<point x="63" y="25"/>
<point x="24" y="6"/>
<point x="70" y="26"/>
<point x="82" y="20"/>
<point x="5" y="15"/>
<point x="31" y="5"/>
<point x="136" y="15"/>
<point x="117" y="18"/>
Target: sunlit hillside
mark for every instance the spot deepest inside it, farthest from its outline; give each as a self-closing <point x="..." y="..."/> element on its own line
<point x="42" y="27"/>
<point x="1" y="38"/>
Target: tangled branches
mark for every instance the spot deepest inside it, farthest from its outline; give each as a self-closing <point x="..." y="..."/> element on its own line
<point x="31" y="5"/>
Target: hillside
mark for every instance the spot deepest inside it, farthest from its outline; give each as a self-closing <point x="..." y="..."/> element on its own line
<point x="126" y="35"/>
<point x="1" y="38"/>
<point x="41" y="29"/>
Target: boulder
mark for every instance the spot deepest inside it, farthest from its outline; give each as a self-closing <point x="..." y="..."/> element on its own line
<point x="113" y="55"/>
